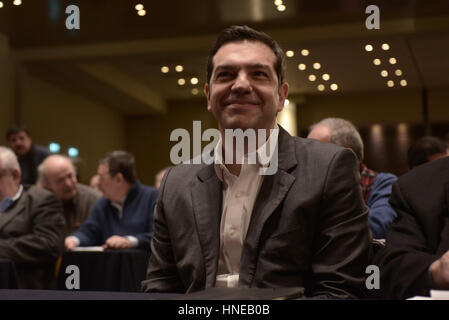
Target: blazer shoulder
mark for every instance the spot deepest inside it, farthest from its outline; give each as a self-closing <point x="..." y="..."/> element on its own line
<point x="184" y="173"/>
<point x="426" y="176"/>
<point x="87" y="191"/>
<point x="40" y="194"/>
<point x="313" y="150"/>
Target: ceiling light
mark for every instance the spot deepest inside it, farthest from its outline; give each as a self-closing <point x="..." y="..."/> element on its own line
<point x="326" y="77"/>
<point x="301" y="66"/>
<point x="54" y="147"/>
<point x="141" y="12"/>
<point x="278" y="2"/>
<point x="312" y="77"/>
<point x="1" y="4"/>
<point x="181" y="81"/>
<point x="392" y="60"/>
<point x="316" y="66"/>
<point x="165" y="69"/>
<point x="139" y="7"/>
<point x="73" y="152"/>
<point x="290" y="53"/>
<point x="194" y="80"/>
<point x="281" y="7"/>
<point x="334" y="86"/>
<point x="384" y="73"/>
<point x="403" y="82"/>
<point x="305" y="52"/>
<point x="385" y="46"/>
<point x="320" y="87"/>
<point x="195" y="91"/>
<point x="17" y="2"/>
<point x="390" y="83"/>
<point x="179" y="68"/>
<point x="398" y="72"/>
<point x="376" y="61"/>
<point x="286" y="102"/>
<point x="369" y="47"/>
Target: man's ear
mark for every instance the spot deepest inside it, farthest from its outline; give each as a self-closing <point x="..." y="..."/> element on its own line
<point x="16" y="175"/>
<point x="118" y="177"/>
<point x="207" y="93"/>
<point x="283" y="92"/>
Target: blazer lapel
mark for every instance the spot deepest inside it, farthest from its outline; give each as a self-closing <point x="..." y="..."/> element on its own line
<point x="206" y="200"/>
<point x="13" y="211"/>
<point x="446" y="205"/>
<point x="272" y="192"/>
<point x="443" y="244"/>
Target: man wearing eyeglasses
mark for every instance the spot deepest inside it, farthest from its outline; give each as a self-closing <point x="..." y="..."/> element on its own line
<point x="31" y="226"/>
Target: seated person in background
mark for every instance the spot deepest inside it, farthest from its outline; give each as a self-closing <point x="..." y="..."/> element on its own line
<point x="426" y="149"/>
<point x="31" y="226"/>
<point x="58" y="175"/>
<point x="376" y="187"/>
<point x="29" y="155"/>
<point x="94" y="182"/>
<point x="159" y="176"/>
<point x="416" y="255"/>
<point x="123" y="217"/>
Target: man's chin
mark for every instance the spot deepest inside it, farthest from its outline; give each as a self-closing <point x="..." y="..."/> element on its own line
<point x="239" y="124"/>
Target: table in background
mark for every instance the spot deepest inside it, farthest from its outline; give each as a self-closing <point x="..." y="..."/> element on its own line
<point x="8" y="275"/>
<point x="109" y="270"/>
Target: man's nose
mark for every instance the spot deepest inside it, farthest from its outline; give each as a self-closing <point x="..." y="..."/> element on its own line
<point x="69" y="181"/>
<point x="242" y="84"/>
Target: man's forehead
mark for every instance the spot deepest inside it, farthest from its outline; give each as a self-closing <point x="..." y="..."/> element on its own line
<point x="103" y="168"/>
<point x="19" y="134"/>
<point x="59" y="166"/>
<point x="230" y="53"/>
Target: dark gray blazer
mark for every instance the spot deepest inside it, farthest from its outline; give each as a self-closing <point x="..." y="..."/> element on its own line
<point x="32" y="235"/>
<point x="420" y="233"/>
<point x="309" y="226"/>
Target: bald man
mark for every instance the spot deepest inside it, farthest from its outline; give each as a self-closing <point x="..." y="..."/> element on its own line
<point x="57" y="173"/>
<point x="376" y="186"/>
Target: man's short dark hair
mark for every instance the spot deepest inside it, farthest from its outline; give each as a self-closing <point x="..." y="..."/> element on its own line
<point x="17" y="129"/>
<point x="241" y="33"/>
<point x="121" y="162"/>
<point x="423" y="148"/>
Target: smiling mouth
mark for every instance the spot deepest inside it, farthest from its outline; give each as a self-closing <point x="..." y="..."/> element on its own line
<point x="242" y="104"/>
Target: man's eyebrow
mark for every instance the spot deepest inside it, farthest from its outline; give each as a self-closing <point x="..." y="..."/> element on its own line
<point x="250" y="66"/>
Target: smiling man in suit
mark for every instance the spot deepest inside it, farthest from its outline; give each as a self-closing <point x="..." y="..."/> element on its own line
<point x="226" y="225"/>
<point x="31" y="226"/>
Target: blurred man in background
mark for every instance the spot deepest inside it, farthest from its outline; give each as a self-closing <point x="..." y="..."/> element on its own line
<point x="159" y="176"/>
<point x="31" y="226"/>
<point x="426" y="149"/>
<point x="29" y="155"/>
<point x="58" y="175"/>
<point x="376" y="186"/>
<point x="123" y="217"/>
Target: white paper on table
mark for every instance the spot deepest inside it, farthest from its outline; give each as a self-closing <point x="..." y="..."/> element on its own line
<point x="88" y="249"/>
<point x="439" y="294"/>
<point x="420" y="298"/>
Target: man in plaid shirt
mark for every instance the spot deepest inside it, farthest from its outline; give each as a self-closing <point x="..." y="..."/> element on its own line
<point x="376" y="186"/>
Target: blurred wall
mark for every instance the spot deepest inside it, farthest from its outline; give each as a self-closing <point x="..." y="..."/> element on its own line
<point x="389" y="122"/>
<point x="55" y="115"/>
<point x="149" y="137"/>
<point x="362" y="108"/>
<point x="6" y="88"/>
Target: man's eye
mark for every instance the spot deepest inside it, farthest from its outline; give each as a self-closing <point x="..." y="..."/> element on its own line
<point x="260" y="74"/>
<point x="223" y="74"/>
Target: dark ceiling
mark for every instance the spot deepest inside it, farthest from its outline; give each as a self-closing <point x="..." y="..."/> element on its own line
<point x="116" y="56"/>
